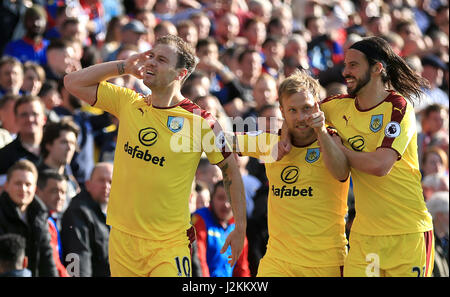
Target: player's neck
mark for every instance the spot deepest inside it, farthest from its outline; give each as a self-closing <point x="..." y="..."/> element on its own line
<point x="303" y="141"/>
<point x="166" y="97"/>
<point x="371" y="95"/>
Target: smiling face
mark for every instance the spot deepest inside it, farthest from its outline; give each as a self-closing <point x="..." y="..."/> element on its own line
<point x="295" y="108"/>
<point x="21" y="187"/>
<point x="356" y="71"/>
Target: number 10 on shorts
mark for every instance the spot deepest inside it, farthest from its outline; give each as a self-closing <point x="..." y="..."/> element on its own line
<point x="185" y="263"/>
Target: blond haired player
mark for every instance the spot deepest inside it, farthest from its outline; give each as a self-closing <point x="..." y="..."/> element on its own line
<point x="308" y="188"/>
<point x="153" y="173"/>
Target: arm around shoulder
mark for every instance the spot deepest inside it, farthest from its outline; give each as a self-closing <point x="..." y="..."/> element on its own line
<point x="378" y="163"/>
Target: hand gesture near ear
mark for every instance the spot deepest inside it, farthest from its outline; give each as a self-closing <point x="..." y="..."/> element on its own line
<point x="134" y="65"/>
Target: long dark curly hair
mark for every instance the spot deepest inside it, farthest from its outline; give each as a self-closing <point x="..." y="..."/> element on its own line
<point x="396" y="74"/>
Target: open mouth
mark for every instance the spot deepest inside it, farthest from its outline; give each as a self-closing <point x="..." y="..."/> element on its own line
<point x="301" y="127"/>
<point x="350" y="81"/>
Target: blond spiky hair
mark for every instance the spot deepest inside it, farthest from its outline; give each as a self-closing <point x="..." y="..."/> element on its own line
<point x="299" y="81"/>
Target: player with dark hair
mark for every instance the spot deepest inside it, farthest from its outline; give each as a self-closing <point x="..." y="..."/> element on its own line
<point x="153" y="173"/>
<point x="392" y="234"/>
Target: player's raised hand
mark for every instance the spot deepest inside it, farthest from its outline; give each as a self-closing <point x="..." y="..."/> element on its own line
<point x="316" y="119"/>
<point x="134" y="65"/>
<point x="236" y="241"/>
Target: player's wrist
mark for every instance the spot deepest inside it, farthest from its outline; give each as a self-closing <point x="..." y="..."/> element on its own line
<point x="321" y="131"/>
<point x="121" y="68"/>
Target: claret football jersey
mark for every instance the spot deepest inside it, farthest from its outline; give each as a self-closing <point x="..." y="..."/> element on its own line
<point x="156" y="157"/>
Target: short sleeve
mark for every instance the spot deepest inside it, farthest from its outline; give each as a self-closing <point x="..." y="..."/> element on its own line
<point x="112" y="98"/>
<point x="214" y="143"/>
<point x="256" y="144"/>
<point x="401" y="128"/>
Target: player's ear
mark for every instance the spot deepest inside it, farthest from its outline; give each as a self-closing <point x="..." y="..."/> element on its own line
<point x="282" y="110"/>
<point x="378" y="67"/>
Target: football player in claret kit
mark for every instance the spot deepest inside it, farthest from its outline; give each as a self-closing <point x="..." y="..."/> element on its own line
<point x="392" y="232"/>
<point x="308" y="188"/>
<point x="153" y="173"/>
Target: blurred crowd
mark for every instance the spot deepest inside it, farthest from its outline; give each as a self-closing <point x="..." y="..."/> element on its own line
<point x="245" y="49"/>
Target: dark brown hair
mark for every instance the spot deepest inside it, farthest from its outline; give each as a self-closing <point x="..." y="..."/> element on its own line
<point x="397" y="74"/>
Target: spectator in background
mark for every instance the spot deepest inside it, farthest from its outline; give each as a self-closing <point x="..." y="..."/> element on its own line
<point x="84" y="230"/>
<point x="203" y="24"/>
<point x="226" y="31"/>
<point x="30" y="118"/>
<point x="273" y="51"/>
<point x="379" y="25"/>
<point x="13" y="262"/>
<point x="218" y="73"/>
<point x="433" y="71"/>
<point x="441" y="18"/>
<point x="271" y="114"/>
<point x="414" y="43"/>
<point x="11" y="21"/>
<point x="188" y="32"/>
<point x="131" y="33"/>
<point x="11" y="76"/>
<point x="56" y="17"/>
<point x="254" y="31"/>
<point x="147" y="18"/>
<point x="52" y="189"/>
<point x="251" y="184"/>
<point x="262" y="9"/>
<point x="434" y="172"/>
<point x="91" y="56"/>
<point x="257" y="230"/>
<point x="58" y="145"/>
<point x="23" y="214"/>
<point x="207" y="173"/>
<point x="434" y="161"/>
<point x="164" y="28"/>
<point x="297" y="50"/>
<point x="61" y="59"/>
<point x="279" y="28"/>
<point x="212" y="225"/>
<point x="264" y="92"/>
<point x="34" y="78"/>
<point x="33" y="45"/>
<point x="434" y="121"/>
<point x="174" y="12"/>
<point x="94" y="10"/>
<point x="90" y="125"/>
<point x="8" y="118"/>
<point x="250" y="65"/>
<point x="113" y="36"/>
<point x="51" y="98"/>
<point x="212" y="105"/>
<point x="323" y="51"/>
<point x="203" y="195"/>
<point x="438" y="207"/>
